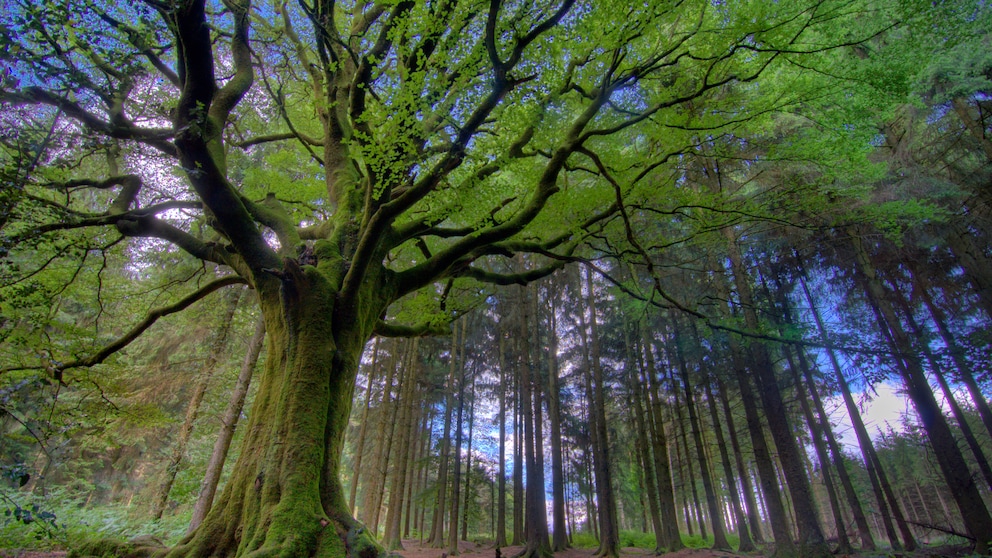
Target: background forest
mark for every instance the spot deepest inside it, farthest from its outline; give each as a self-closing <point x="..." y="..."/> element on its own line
<point x="771" y="216"/>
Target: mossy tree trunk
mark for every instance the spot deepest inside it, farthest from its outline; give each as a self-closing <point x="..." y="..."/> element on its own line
<point x="285" y="496"/>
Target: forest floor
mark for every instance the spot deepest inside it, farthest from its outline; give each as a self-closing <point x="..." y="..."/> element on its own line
<point x="413" y="549"/>
<point x="472" y="550"/>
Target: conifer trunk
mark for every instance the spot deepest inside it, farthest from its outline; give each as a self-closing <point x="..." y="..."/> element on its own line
<point x="817" y="434"/>
<point x="636" y="387"/>
<point x="876" y="474"/>
<point x="609" y="533"/>
<point x="956" y="411"/>
<point x="854" y="502"/>
<point x="375" y="478"/>
<point x="404" y="432"/>
<point x="743" y="533"/>
<point x="468" y="462"/>
<point x="811" y="540"/>
<point x="672" y="540"/>
<point x="559" y="530"/>
<point x="956" y="351"/>
<point x="229" y="423"/>
<point x="456" y="460"/>
<point x="973" y="511"/>
<point x="363" y="429"/>
<point x="742" y="470"/>
<point x="436" y="539"/>
<point x="536" y="529"/>
<point x="206" y="373"/>
<point x="715" y="512"/>
<point x="501" y="496"/>
<point x="687" y="467"/>
<point x="518" y="459"/>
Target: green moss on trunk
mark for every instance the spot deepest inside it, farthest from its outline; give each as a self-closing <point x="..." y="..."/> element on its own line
<point x="285" y="496"/>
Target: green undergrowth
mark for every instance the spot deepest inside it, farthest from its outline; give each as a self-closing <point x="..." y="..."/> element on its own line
<point x="638" y="539"/>
<point x="58" y="521"/>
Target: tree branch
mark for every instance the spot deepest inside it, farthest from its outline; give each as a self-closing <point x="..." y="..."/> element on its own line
<point x="144" y="324"/>
<point x="419" y="330"/>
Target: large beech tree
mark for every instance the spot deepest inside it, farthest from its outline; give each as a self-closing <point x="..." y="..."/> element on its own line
<point x="446" y="137"/>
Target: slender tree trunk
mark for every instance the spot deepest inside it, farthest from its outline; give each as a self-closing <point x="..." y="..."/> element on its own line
<point x="436" y="539"/>
<point x="363" y="429"/>
<point x="609" y="539"/>
<point x="716" y="515"/>
<point x="811" y="540"/>
<point x="591" y="512"/>
<point x="672" y="540"/>
<point x="501" y="505"/>
<point x="405" y="431"/>
<point x="770" y="493"/>
<point x="957" y="353"/>
<point x="743" y="533"/>
<point x="819" y="445"/>
<point x="956" y="411"/>
<point x="423" y="457"/>
<point x="206" y="373"/>
<point x="560" y="535"/>
<point x="229" y="423"/>
<point x="390" y="411"/>
<point x="854" y="502"/>
<point x="963" y="488"/>
<point x="537" y="544"/>
<point x="643" y="449"/>
<point x="689" y="468"/>
<point x="456" y="481"/>
<point x="876" y="474"/>
<point x="468" y="463"/>
<point x="753" y="520"/>
<point x="518" y="460"/>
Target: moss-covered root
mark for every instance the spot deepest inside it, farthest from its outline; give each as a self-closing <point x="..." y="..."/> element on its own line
<point x="138" y="547"/>
<point x="360" y="544"/>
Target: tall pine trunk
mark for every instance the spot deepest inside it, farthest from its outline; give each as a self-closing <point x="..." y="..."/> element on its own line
<point x="811" y="541"/>
<point x="501" y="495"/>
<point x="609" y="532"/>
<point x="456" y="461"/>
<point x="743" y="533"/>
<point x="214" y="354"/>
<point x="636" y="384"/>
<point x="952" y="464"/>
<point x="753" y="520"/>
<point x="405" y="430"/>
<point x="537" y="544"/>
<point x="672" y="539"/>
<point x="715" y="508"/>
<point x="363" y="429"/>
<point x="215" y="466"/>
<point x="436" y="539"/>
<point x="559" y="539"/>
<point x="876" y="475"/>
